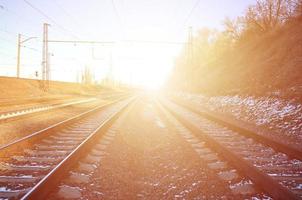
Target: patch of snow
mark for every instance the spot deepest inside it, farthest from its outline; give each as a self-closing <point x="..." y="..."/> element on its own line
<point x="284" y="117"/>
<point x="4" y="189"/>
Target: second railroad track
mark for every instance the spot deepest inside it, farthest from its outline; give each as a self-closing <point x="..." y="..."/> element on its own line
<point x="29" y="162"/>
<point x="274" y="170"/>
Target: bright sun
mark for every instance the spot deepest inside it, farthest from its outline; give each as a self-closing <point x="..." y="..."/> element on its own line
<point x="136" y="62"/>
<point x="144" y="65"/>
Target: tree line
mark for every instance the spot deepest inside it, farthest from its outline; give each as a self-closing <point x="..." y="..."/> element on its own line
<point x="211" y="50"/>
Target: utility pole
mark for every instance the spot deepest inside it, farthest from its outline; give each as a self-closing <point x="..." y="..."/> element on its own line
<point x="110" y="74"/>
<point x="18" y="55"/>
<point x="19" y="51"/>
<point x="190" y="59"/>
<point x="190" y="45"/>
<point x="45" y="57"/>
<point x="48" y="70"/>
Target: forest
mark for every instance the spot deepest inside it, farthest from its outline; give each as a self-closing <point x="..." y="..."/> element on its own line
<point x="258" y="53"/>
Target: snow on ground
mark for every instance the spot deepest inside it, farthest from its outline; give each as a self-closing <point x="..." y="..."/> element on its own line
<point x="284" y="117"/>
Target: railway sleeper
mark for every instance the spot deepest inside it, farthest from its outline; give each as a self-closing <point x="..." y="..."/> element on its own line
<point x="48" y="159"/>
<point x="84" y="167"/>
<point x="77" y="178"/>
<point x="54" y="152"/>
<point x="57" y="147"/>
<point x="67" y="137"/>
<point x="72" y="142"/>
<point x="13" y="194"/>
<point x="22" y="168"/>
<point x="19" y="179"/>
<point x="250" y="166"/>
<point x="92" y="159"/>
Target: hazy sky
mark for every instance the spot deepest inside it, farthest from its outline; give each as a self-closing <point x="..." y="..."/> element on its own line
<point x="106" y="20"/>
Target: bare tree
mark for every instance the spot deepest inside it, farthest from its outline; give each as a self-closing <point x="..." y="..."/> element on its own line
<point x="233" y="27"/>
<point x="268" y="14"/>
<point x="298" y="8"/>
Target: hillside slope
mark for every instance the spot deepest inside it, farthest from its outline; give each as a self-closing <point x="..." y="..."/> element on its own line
<point x="272" y="64"/>
<point x="12" y="88"/>
<point x="269" y="65"/>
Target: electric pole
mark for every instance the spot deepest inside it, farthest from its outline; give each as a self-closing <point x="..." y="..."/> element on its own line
<point x="190" y="59"/>
<point x="190" y="45"/>
<point x="19" y="51"/>
<point x="18" y="55"/>
<point x="110" y="74"/>
<point x="48" y="70"/>
<point x="45" y="57"/>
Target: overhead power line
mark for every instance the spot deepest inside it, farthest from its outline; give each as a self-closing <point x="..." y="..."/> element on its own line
<point x="2" y="7"/>
<point x="71" y="17"/>
<point x="49" y="18"/>
<point x="12" y="34"/>
<point x="7" y="54"/>
<point x="154" y="42"/>
<point x="119" y="19"/>
<point x="7" y="40"/>
<point x="17" y="15"/>
<point x="114" y="42"/>
<point x="81" y="41"/>
<point x="190" y="13"/>
<point x="30" y="48"/>
<point x="67" y="13"/>
<point x="116" y="12"/>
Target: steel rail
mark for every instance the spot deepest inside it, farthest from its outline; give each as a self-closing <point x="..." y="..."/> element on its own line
<point x="12" y="101"/>
<point x="20" y="113"/>
<point x="244" y="128"/>
<point x="43" y="187"/>
<point x="264" y="181"/>
<point x="39" y="108"/>
<point x="7" y="150"/>
<point x="23" y="101"/>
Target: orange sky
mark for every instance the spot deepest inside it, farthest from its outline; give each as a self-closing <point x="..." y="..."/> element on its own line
<point x="119" y="20"/>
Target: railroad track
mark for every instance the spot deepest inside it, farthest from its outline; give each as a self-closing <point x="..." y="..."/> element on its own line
<point x="72" y="179"/>
<point x="268" y="167"/>
<point x="261" y="134"/>
<point x="12" y="101"/>
<point x="33" y="109"/>
<point x="27" y="164"/>
<point x="39" y="108"/>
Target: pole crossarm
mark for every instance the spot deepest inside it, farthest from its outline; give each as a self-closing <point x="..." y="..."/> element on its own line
<point x="27" y="39"/>
<point x="81" y="41"/>
<point x="20" y="41"/>
<point x="154" y="42"/>
<point x="113" y="42"/>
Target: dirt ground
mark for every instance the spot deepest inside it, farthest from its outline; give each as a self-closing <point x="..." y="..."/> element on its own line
<point x="146" y="160"/>
<point x="16" y="94"/>
<point x="14" y="129"/>
<point x="14" y="88"/>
